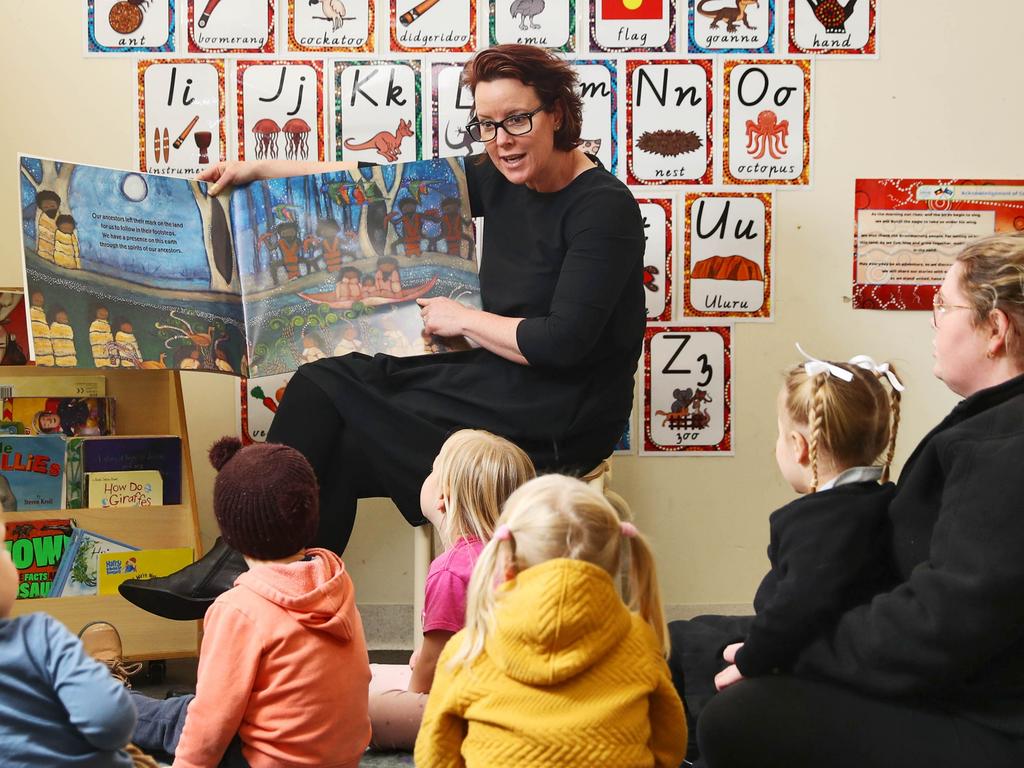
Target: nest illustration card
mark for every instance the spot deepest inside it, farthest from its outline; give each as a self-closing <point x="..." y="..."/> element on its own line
<point x="433" y="25"/>
<point x="598" y="84"/>
<point x="731" y="26"/>
<point x="619" y="26"/>
<point x="231" y="26"/>
<point x="331" y="26"/>
<point x="687" y="391"/>
<point x="451" y="109"/>
<point x="544" y="23"/>
<point x="767" y="122"/>
<point x="843" y="27"/>
<point x="280" y="110"/>
<point x="377" y="111"/>
<point x="659" y="256"/>
<point x="181" y="116"/>
<point x="669" y="93"/>
<point x="727" y="263"/>
<point x="129" y="26"/>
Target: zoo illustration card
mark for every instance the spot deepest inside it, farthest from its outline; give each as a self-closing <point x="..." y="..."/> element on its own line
<point x="433" y="25"/>
<point x="687" y="391"/>
<point x="599" y="133"/>
<point x="908" y="232"/>
<point x="129" y="26"/>
<point x="659" y="256"/>
<point x="669" y="93"/>
<point x="731" y="26"/>
<point x="280" y="110"/>
<point x="377" y="111"/>
<point x="331" y="26"/>
<point x="451" y="108"/>
<point x="727" y="263"/>
<point x="181" y="116"/>
<point x="767" y="122"/>
<point x="618" y="26"/>
<point x="231" y="26"/>
<point x="544" y="23"/>
<point x="833" y="27"/>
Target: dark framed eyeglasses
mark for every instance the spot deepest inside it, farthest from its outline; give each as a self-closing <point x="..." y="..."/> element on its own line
<point x="514" y="125"/>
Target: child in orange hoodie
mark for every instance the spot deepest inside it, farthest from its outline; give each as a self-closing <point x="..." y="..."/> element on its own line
<point x="269" y="643"/>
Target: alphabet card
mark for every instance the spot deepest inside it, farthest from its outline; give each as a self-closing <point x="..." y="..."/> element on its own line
<point x="231" y="26"/>
<point x="658" y="257"/>
<point x="669" y="93"/>
<point x="632" y="25"/>
<point x="598" y="89"/>
<point x="433" y="25"/>
<point x="181" y="116"/>
<point x="451" y="108"/>
<point x="832" y="27"/>
<point x="377" y="111"/>
<point x="767" y="122"/>
<point x="280" y="110"/>
<point x="727" y="262"/>
<point x="534" y="22"/>
<point x="122" y="26"/>
<point x="331" y="26"/>
<point x="731" y="26"/>
<point x="687" y="392"/>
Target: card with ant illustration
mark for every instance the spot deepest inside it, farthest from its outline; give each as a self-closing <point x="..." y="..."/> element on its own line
<point x="659" y="256"/>
<point x="677" y="93"/>
<point x="280" y="110"/>
<point x="622" y="26"/>
<point x="599" y="134"/>
<point x="129" y="26"/>
<point x="236" y="26"/>
<point x="831" y="27"/>
<point x="451" y="108"/>
<point x="331" y="26"/>
<point x="731" y="26"/>
<point x="377" y="111"/>
<point x="181" y="115"/>
<point x="433" y="25"/>
<point x="766" y="136"/>
<point x="687" y="391"/>
<point x="534" y="22"/>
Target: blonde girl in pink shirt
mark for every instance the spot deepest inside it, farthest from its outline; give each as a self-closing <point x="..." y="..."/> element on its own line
<point x="472" y="476"/>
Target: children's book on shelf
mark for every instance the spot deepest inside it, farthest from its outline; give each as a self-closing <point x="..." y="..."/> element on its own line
<point x="61" y="415"/>
<point x="116" y="567"/>
<point x="122" y="453"/>
<point x="128" y="269"/>
<point x="78" y="573"/>
<point x="135" y="488"/>
<point x="14" y="345"/>
<point x="31" y="382"/>
<point x="32" y="472"/>
<point x="36" y="547"/>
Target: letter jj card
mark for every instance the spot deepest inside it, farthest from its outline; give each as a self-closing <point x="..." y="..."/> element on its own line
<point x="687" y="390"/>
<point x="280" y="110"/>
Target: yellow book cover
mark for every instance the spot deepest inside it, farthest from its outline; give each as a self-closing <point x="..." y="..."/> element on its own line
<point x="34" y="382"/>
<point x="115" y="567"/>
<point x="130" y="488"/>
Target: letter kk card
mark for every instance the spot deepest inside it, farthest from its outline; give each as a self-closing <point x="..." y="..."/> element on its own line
<point x="687" y="391"/>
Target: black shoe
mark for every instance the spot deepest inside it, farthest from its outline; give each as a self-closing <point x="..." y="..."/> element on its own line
<point x="186" y="594"/>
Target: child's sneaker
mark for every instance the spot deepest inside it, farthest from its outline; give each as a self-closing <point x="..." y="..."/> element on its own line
<point x="102" y="641"/>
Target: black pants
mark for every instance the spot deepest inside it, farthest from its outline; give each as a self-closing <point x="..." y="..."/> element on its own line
<point x="792" y="723"/>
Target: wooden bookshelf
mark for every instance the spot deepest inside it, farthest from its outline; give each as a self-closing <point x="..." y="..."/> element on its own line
<point x="147" y="402"/>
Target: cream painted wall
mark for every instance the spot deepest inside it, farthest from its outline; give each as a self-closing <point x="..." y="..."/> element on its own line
<point x="937" y="103"/>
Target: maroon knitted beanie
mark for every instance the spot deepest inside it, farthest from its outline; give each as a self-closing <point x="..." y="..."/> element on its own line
<point x="265" y="498"/>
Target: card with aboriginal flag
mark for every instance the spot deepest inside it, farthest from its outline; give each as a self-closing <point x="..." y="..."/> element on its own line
<point x="632" y="25"/>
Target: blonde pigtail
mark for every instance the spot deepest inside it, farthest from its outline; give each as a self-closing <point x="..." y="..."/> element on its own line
<point x="480" y="599"/>
<point x="816" y="419"/>
<point x="645" y="595"/>
<point x="895" y="400"/>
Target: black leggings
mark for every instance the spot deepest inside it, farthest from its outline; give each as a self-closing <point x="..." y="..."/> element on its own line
<point x="785" y="721"/>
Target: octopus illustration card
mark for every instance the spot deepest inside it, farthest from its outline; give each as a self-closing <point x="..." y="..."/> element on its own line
<point x="767" y="122"/>
<point x="687" y="391"/>
<point x="231" y="26"/>
<point x="831" y="27"/>
<point x="620" y="26"/>
<point x="676" y="93"/>
<point x="544" y="23"/>
<point x="280" y="110"/>
<point x="659" y="256"/>
<point x="129" y="26"/>
<point x="727" y="263"/>
<point x="331" y="26"/>
<point x="598" y="83"/>
<point x="185" y="99"/>
<point x="377" y="111"/>
<point x="731" y="26"/>
<point x="451" y="108"/>
<point x="433" y="25"/>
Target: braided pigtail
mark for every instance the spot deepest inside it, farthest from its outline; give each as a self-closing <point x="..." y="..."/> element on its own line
<point x="816" y="420"/>
<point x="895" y="401"/>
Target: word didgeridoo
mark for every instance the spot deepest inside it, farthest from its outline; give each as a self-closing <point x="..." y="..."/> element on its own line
<point x="416" y="11"/>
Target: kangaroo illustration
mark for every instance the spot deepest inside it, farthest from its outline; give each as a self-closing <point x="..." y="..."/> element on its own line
<point x="732" y="16"/>
<point x="386" y="143"/>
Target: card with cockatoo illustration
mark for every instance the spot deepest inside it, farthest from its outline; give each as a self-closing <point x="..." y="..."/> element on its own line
<point x="544" y="23"/>
<point x="433" y="25"/>
<point x="619" y="26"/>
<point x="731" y="26"/>
<point x="280" y="109"/>
<point x="331" y="26"/>
<point x="129" y="26"/>
<point x="231" y="26"/>
<point x="833" y="27"/>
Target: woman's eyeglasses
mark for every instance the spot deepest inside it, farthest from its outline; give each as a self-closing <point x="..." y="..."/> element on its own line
<point x="514" y="125"/>
<point x="940" y="307"/>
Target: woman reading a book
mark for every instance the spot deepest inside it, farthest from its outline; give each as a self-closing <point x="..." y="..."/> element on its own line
<point x="551" y="355"/>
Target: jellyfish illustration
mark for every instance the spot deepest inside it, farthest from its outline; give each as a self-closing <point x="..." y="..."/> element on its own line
<point x="296" y="136"/>
<point x="265" y="132"/>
